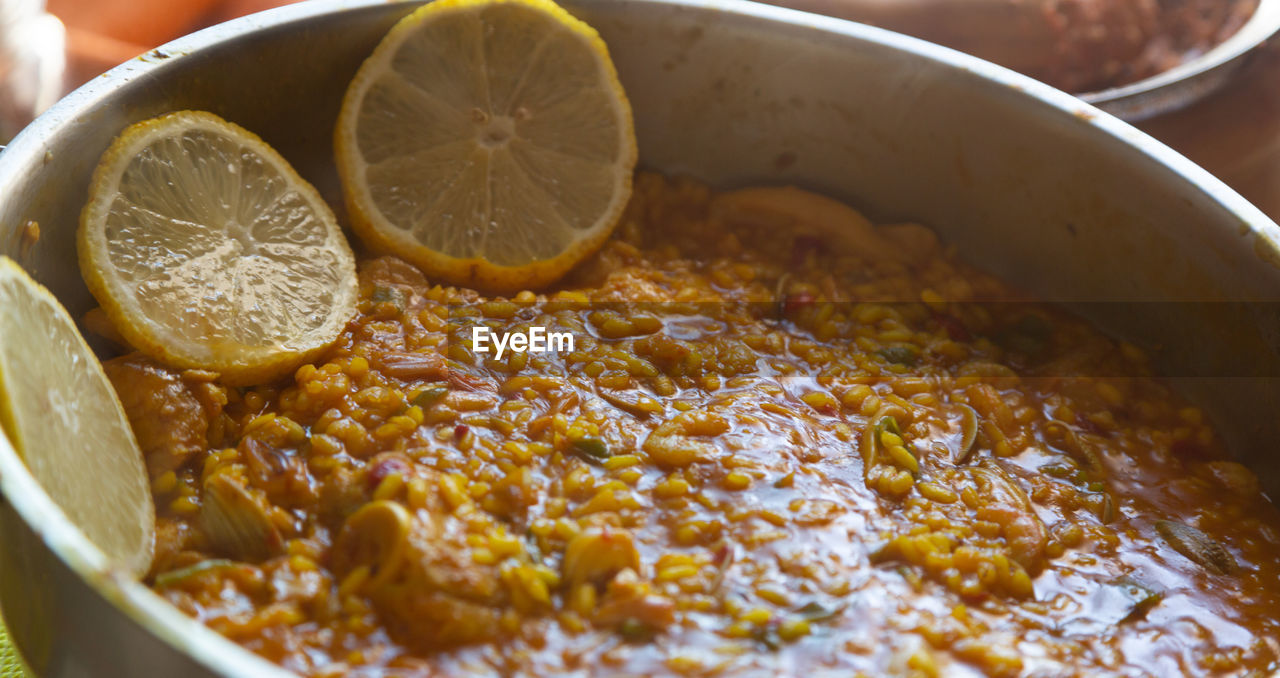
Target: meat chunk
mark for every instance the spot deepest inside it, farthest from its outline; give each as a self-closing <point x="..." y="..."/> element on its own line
<point x="170" y="415"/>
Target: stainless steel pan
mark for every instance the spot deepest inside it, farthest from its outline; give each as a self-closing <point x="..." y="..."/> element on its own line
<point x="1027" y="181"/>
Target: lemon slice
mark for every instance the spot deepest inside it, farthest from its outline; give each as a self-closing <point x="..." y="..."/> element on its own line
<point x="487" y="141"/>
<point x="63" y="418"/>
<point x="207" y="250"/>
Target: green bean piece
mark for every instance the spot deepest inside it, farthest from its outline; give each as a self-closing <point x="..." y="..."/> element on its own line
<point x="817" y="612"/>
<point x="592" y="449"/>
<point x="1142" y="597"/>
<point x="184" y="573"/>
<point x="890" y="423"/>
<point x="1064" y="469"/>
<point x="1029" y="335"/>
<point x="968" y="432"/>
<point x="633" y="630"/>
<point x="900" y="354"/>
<point x="1107" y="512"/>
<point x="429" y="396"/>
<point x="768" y="637"/>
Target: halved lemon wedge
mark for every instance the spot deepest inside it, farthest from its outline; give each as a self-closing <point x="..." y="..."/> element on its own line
<point x="63" y="418"/>
<point x="207" y="250"/>
<point x="487" y="141"/>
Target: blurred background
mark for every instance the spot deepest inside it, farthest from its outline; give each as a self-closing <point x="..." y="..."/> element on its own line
<point x="103" y="33"/>
<point x="49" y="48"/>
<point x="1078" y="45"/>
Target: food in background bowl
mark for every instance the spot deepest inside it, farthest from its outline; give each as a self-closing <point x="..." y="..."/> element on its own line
<point x="1075" y="45"/>
<point x="1102" y="44"/>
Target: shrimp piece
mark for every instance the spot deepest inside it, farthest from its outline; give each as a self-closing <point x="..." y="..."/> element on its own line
<point x="1007" y="505"/>
<point x="675" y="443"/>
<point x="629" y="600"/>
<point x="596" y="555"/>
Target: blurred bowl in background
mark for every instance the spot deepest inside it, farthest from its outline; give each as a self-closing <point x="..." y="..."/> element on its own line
<point x="1132" y="58"/>
<point x="1194" y="78"/>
